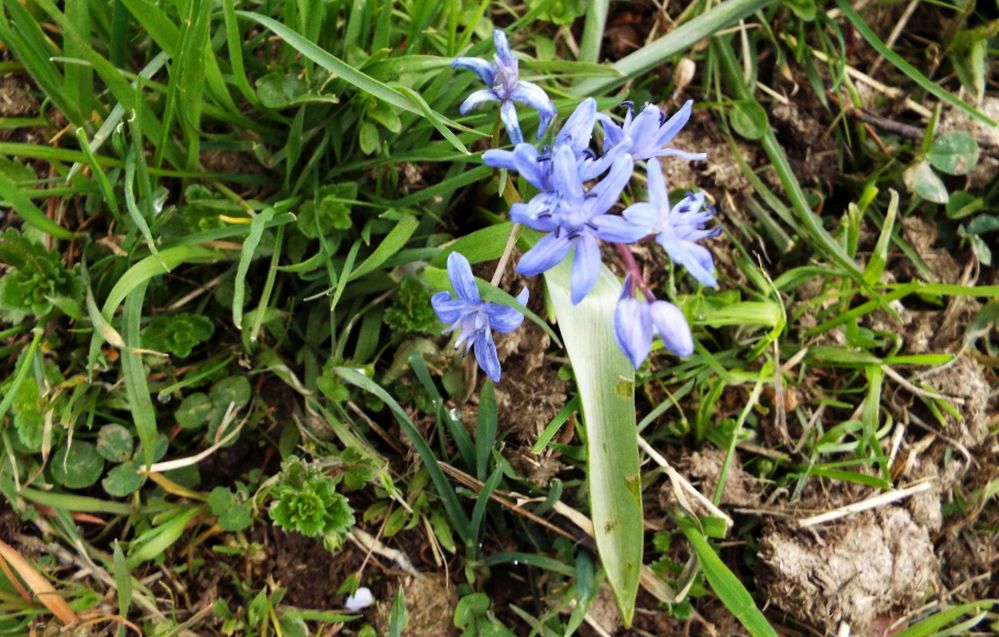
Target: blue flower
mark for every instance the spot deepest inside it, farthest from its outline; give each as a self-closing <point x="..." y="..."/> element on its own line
<point x="636" y="321"/>
<point x="474" y="318"/>
<point x="576" y="133"/>
<point x="575" y="219"/>
<point x="502" y="77"/>
<point x="678" y="227"/>
<point x="648" y="133"/>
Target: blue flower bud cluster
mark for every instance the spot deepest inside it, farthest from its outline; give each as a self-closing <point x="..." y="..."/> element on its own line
<point x="578" y="190"/>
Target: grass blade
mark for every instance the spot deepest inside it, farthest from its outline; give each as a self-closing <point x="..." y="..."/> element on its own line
<point x="726" y="585"/>
<point x="459" y="520"/>
<point x="912" y="72"/>
<point x="136" y="387"/>
<point x="28" y="211"/>
<point x="606" y="382"/>
<point x="680" y="39"/>
<point x="351" y="75"/>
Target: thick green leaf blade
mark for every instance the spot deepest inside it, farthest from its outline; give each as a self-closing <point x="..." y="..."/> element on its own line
<point x="726" y="585"/>
<point x="606" y="383"/>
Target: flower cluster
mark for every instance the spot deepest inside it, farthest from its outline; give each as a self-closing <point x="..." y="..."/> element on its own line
<point x="578" y="190"/>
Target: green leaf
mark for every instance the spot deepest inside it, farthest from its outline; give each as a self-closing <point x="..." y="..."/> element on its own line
<point x="36" y="281"/>
<point x="257" y="226"/>
<point x="123" y="479"/>
<point x="136" y="386"/>
<point x="282" y="90"/>
<point x="726" y="585"/>
<point x="114" y="443"/>
<point x="234" y="389"/>
<point x="194" y="411"/>
<point x="961" y="204"/>
<point x="177" y="334"/>
<point x="356" y="78"/>
<point x="954" y="153"/>
<point x="804" y="9"/>
<point x="77" y="466"/>
<point x="923" y="182"/>
<point x="606" y="382"/>
<point x="749" y="119"/>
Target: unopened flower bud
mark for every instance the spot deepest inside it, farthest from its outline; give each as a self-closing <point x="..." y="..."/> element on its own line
<point x="683" y="74"/>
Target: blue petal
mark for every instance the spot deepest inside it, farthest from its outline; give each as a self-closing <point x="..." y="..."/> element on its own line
<point x="480" y="67"/>
<point x="613" y="134"/>
<point x="525" y="159"/>
<point x="658" y="193"/>
<point x="633" y="329"/>
<point x="673" y="125"/>
<point x="448" y="310"/>
<point x="672" y="327"/>
<point x="499" y="159"/>
<point x="585" y="267"/>
<point x="503" y="49"/>
<point x="508" y="113"/>
<point x="696" y="259"/>
<point x="618" y="229"/>
<point x="535" y="97"/>
<point x="478" y="98"/>
<point x="578" y="129"/>
<point x="462" y="279"/>
<point x="565" y="175"/>
<point x="503" y="318"/>
<point x="546" y="254"/>
<point x="537" y="213"/>
<point x="644" y="131"/>
<point x="593" y="168"/>
<point x="522" y="297"/>
<point x="605" y="194"/>
<point x="644" y="214"/>
<point x="485" y="354"/>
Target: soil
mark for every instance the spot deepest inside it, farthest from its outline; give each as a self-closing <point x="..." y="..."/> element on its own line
<point x="859" y="571"/>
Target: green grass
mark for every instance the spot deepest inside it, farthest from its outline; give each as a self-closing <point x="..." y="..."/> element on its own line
<point x="298" y="172"/>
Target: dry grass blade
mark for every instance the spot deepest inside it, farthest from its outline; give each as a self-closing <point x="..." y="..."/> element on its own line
<point x="40" y="586"/>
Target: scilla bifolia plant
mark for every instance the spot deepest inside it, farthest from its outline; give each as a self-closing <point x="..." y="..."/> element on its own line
<point x="573" y="209"/>
<point x="575" y="218"/>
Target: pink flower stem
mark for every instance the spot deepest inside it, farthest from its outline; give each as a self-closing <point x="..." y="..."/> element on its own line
<point x="636" y="273"/>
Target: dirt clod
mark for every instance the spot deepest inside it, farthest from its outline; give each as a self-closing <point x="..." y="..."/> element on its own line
<point x="857" y="571"/>
<point x="430" y="603"/>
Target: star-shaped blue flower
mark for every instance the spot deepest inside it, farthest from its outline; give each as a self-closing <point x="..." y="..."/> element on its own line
<point x="677" y="227"/>
<point x="636" y="321"/>
<point x="502" y="77"/>
<point x="474" y="318"/>
<point x="575" y="220"/>
<point x="649" y="132"/>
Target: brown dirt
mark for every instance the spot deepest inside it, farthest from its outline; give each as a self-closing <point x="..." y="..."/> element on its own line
<point x="16" y="99"/>
<point x="430" y="602"/>
<point x="855" y="571"/>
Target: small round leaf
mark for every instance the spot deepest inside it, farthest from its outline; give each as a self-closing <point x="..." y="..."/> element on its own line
<point x="78" y="466"/>
<point x="923" y="182"/>
<point x="194" y="411"/>
<point x="235" y="389"/>
<point x="954" y="153"/>
<point x="123" y="479"/>
<point x="114" y="443"/>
